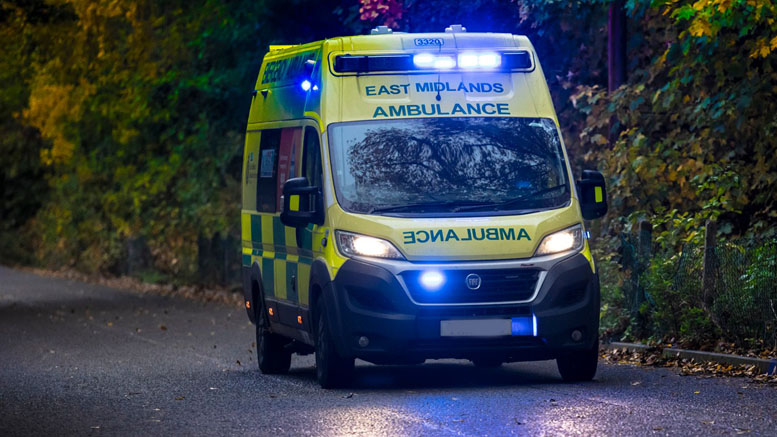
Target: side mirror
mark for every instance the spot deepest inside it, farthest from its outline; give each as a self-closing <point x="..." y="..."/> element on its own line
<point x="593" y="195"/>
<point x="297" y="193"/>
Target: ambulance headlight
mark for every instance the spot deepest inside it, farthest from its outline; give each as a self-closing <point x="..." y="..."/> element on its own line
<point x="362" y="245"/>
<point x="561" y="241"/>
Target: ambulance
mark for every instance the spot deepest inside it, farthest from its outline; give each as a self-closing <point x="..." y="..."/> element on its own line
<point x="408" y="197"/>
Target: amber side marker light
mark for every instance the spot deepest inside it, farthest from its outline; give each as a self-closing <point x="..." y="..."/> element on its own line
<point x="269" y="310"/>
<point x="248" y="304"/>
<point x="299" y="319"/>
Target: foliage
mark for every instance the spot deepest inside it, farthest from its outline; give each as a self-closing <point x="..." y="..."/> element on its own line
<point x="124" y="120"/>
<point x="695" y="122"/>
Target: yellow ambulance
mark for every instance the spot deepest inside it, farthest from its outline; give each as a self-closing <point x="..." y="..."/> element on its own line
<point x="408" y="197"/>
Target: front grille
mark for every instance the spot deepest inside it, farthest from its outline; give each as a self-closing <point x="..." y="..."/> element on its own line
<point x="497" y="285"/>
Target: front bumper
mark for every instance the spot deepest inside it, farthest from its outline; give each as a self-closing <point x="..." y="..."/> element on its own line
<point x="368" y="300"/>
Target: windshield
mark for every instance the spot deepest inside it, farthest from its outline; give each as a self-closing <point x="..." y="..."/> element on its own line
<point x="448" y="165"/>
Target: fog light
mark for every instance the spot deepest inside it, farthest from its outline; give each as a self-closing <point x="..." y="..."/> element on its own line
<point x="364" y="341"/>
<point x="577" y="335"/>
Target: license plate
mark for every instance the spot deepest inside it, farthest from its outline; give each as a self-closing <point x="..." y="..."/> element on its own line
<point x="476" y="328"/>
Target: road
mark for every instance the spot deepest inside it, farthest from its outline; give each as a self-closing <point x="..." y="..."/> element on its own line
<point x="82" y="359"/>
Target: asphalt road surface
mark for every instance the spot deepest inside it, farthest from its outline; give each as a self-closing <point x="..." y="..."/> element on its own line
<point x="81" y="359"/>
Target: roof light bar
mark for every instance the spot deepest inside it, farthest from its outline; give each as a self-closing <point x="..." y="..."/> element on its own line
<point x="506" y="61"/>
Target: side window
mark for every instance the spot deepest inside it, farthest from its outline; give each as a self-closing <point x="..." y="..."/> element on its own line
<point x="311" y="159"/>
<point x="266" y="196"/>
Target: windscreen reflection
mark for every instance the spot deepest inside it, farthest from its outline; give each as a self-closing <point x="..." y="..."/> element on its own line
<point x="433" y="165"/>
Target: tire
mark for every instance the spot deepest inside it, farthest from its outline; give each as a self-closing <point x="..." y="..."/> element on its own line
<point x="487" y="363"/>
<point x="579" y="366"/>
<point x="332" y="370"/>
<point x="271" y="352"/>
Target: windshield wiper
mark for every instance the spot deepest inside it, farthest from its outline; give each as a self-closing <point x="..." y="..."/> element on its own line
<point x="453" y="204"/>
<point x="510" y="202"/>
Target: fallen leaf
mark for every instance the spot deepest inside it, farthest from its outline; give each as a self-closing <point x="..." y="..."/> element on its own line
<point x="658" y="428"/>
<point x="163" y="327"/>
<point x="179" y="398"/>
<point x="696" y="392"/>
<point x="238" y="363"/>
<point x="348" y="396"/>
<point x="636" y="383"/>
<point x="457" y="420"/>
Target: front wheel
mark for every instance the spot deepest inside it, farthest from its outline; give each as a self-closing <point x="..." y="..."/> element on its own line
<point x="332" y="370"/>
<point x="271" y="352"/>
<point x="580" y="365"/>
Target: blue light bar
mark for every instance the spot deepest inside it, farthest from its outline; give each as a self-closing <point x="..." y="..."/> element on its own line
<point x="519" y="60"/>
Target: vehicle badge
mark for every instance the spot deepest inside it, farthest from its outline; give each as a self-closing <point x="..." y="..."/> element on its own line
<point x="473" y="281"/>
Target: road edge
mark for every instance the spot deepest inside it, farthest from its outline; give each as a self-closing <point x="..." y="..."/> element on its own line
<point x="765" y="366"/>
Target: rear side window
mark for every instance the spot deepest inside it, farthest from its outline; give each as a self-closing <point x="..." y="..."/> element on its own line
<point x="266" y="196"/>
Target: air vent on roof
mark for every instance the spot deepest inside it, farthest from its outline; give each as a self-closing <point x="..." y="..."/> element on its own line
<point x="381" y="30"/>
<point x="454" y="28"/>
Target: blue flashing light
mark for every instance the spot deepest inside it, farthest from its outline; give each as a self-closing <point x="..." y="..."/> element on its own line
<point x="489" y="60"/>
<point x="468" y="60"/>
<point x="480" y="60"/>
<point x="432" y="280"/>
<point x="428" y="60"/>
<point x="524" y="326"/>
<point x="423" y="60"/>
<point x="444" y="62"/>
<point x="305" y="85"/>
